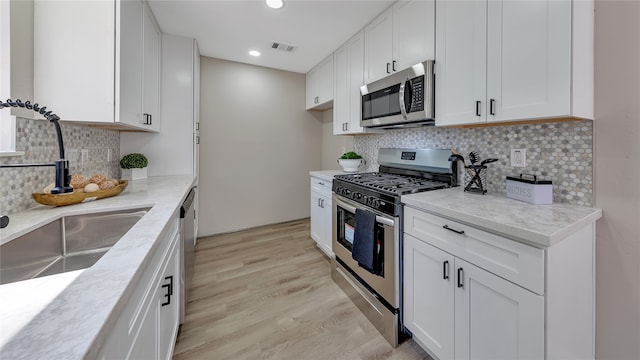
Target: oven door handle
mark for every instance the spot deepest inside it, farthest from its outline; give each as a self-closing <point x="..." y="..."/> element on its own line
<point x="352" y="209"/>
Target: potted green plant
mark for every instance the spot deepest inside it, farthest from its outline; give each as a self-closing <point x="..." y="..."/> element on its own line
<point x="350" y="161"/>
<point x="134" y="166"/>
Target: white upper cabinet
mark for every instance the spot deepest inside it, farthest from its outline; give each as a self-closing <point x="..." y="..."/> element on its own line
<point x="319" y="86"/>
<point x="151" y="70"/>
<point x="91" y="66"/>
<point x="348" y="78"/>
<point x="513" y="60"/>
<point x="400" y="37"/>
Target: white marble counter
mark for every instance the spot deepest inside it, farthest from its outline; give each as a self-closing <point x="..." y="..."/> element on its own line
<point x="540" y="225"/>
<point x="66" y="316"/>
<point x="327" y="174"/>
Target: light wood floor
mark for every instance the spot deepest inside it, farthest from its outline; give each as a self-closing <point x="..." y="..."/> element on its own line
<point x="267" y="293"/>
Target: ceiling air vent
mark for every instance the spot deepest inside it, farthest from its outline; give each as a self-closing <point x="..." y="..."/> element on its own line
<point x="277" y="45"/>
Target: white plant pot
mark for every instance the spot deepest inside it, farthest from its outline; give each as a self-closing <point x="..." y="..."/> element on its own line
<point x="134" y="174"/>
<point x="350" y="165"/>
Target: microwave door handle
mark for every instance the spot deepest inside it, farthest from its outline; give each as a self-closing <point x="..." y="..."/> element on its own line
<point x="404" y="106"/>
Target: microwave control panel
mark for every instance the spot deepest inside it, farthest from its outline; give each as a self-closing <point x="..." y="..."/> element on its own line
<point x="417" y="98"/>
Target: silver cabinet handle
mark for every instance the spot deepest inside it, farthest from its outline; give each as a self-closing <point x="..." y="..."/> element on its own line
<point x="322" y="203"/>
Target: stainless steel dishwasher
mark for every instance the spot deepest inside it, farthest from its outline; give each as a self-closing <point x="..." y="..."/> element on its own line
<point x="187" y="247"/>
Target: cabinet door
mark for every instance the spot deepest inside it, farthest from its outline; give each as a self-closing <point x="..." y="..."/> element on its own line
<point x="168" y="303"/>
<point x="325" y="80"/>
<point x="461" y="62"/>
<point x="74" y="60"/>
<point x="349" y="76"/>
<point x="529" y="59"/>
<point x="326" y="232"/>
<point x="413" y="32"/>
<point x="151" y="84"/>
<point x="428" y="296"/>
<point x="356" y="80"/>
<point x="341" y="93"/>
<point x="145" y="342"/>
<point x="317" y="218"/>
<point x="378" y="48"/>
<point x="129" y="63"/>
<point x="312" y="88"/>
<point x="494" y="318"/>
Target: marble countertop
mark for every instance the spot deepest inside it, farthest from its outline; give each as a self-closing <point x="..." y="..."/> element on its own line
<point x="63" y="316"/>
<point x="328" y="174"/>
<point x="539" y="225"/>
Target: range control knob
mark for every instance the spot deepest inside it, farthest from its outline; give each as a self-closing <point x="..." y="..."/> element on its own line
<point x="358" y="196"/>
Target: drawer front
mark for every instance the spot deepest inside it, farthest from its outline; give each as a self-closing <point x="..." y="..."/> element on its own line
<point x="321" y="186"/>
<point x="514" y="261"/>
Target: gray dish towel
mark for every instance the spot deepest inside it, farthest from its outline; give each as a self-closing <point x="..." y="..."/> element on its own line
<point x="364" y="245"/>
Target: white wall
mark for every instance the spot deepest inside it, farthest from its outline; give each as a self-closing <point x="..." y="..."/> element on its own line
<point x="170" y="152"/>
<point x="617" y="179"/>
<point x="332" y="146"/>
<point x="257" y="146"/>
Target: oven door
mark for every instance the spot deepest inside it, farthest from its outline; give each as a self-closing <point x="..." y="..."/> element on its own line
<point x="342" y="243"/>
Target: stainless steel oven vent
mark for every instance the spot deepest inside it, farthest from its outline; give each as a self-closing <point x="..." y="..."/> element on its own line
<point x="278" y="45"/>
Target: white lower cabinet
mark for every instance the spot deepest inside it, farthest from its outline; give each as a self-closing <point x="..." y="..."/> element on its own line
<point x="469" y="294"/>
<point x="428" y="296"/>
<point x="321" y="214"/>
<point x="460" y="311"/>
<point x="148" y="325"/>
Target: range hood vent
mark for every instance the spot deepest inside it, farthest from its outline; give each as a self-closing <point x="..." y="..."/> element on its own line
<point x="278" y="45"/>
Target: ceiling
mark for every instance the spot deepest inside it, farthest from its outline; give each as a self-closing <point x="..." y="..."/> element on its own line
<point x="229" y="29"/>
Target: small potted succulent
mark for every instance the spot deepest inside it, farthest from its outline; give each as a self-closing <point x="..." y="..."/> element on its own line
<point x="134" y="166"/>
<point x="350" y="161"/>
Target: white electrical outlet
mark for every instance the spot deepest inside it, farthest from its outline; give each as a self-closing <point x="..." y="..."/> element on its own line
<point x="109" y="155"/>
<point x="84" y="157"/>
<point x="518" y="157"/>
<point x="72" y="156"/>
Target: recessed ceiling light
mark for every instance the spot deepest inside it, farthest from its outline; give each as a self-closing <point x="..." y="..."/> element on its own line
<point x="254" y="53"/>
<point x="275" y="4"/>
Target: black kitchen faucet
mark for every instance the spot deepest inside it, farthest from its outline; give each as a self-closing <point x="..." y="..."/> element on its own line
<point x="62" y="165"/>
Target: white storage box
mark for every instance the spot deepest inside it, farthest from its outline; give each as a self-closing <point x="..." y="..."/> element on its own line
<point x="531" y="190"/>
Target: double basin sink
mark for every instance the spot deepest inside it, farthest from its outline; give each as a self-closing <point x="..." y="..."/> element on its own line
<point x="66" y="244"/>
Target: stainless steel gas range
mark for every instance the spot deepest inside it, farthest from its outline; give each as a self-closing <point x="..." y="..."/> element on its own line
<point x="374" y="283"/>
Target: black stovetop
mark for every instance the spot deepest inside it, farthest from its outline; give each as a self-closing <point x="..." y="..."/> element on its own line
<point x="392" y="183"/>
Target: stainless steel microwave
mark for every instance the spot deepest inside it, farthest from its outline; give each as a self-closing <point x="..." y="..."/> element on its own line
<point x="404" y="98"/>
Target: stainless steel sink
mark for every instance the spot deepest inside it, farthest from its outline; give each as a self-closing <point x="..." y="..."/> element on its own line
<point x="67" y="244"/>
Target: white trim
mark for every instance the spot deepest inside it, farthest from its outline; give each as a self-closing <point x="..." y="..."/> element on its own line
<point x="7" y="122"/>
<point x="11" y="153"/>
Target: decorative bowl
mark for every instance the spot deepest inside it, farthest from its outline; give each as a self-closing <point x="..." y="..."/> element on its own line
<point x="350" y="165"/>
<point x="78" y="196"/>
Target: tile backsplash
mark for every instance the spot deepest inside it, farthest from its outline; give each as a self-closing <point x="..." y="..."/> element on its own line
<point x="37" y="139"/>
<point x="561" y="152"/>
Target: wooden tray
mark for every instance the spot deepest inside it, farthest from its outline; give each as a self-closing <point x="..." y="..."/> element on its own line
<point x="78" y="197"/>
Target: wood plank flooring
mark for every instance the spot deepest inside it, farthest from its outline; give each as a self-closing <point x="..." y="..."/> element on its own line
<point x="267" y="293"/>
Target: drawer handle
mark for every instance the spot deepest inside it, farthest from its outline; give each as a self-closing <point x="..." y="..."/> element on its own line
<point x="321" y="183"/>
<point x="169" y="288"/>
<point x="445" y="270"/>
<point x="460" y="275"/>
<point x="461" y="232"/>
